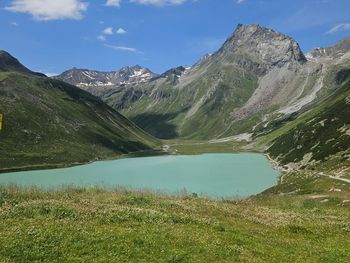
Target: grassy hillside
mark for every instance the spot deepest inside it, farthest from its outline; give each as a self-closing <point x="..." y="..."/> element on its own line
<point x="49" y="123"/>
<point x="78" y="225"/>
<point x="314" y="147"/>
<point x="320" y="136"/>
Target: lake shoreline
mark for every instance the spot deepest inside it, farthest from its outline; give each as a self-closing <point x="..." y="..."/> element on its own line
<point x="146" y="153"/>
<point x="35" y="167"/>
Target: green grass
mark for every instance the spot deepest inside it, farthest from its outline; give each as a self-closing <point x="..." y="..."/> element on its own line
<point x="310" y="182"/>
<point x="92" y="225"/>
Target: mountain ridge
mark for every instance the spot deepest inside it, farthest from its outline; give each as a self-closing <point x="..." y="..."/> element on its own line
<point x="257" y="76"/>
<point x="334" y="51"/>
<point x="9" y="63"/>
<point x="85" y="78"/>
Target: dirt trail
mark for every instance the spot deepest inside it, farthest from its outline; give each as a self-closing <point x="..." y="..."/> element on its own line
<point x="339" y="178"/>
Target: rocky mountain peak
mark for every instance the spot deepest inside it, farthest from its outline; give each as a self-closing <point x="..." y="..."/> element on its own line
<point x="173" y="72"/>
<point x="261" y="46"/>
<point x="130" y="68"/>
<point x="136" y="67"/>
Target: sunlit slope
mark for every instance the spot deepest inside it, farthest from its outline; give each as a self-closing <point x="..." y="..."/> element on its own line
<point x="319" y="138"/>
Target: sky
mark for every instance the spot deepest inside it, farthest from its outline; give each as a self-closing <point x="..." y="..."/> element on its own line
<point x="52" y="36"/>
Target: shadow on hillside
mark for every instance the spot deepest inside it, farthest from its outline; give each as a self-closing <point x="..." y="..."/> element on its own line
<point x="158" y="124"/>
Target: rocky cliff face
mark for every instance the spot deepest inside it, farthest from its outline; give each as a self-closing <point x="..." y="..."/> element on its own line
<point x="260" y="49"/>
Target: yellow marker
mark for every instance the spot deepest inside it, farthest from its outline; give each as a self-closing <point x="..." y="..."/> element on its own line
<point x="0" y="121"/>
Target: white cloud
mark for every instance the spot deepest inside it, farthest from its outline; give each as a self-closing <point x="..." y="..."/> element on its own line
<point x="159" y="2"/>
<point x="101" y="38"/>
<point x="115" y="3"/>
<point x="123" y="48"/>
<point x="121" y="31"/>
<point x="339" y="27"/>
<point x="14" y="24"/>
<point x="45" y="10"/>
<point x="108" y="31"/>
<point x="240" y="1"/>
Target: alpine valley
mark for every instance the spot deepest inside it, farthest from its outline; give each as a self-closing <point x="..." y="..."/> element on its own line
<point x="259" y="93"/>
<point x="258" y="89"/>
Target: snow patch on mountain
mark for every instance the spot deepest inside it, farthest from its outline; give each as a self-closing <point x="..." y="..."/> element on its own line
<point x="97" y="79"/>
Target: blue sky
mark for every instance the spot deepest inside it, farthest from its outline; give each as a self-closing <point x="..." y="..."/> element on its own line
<point x="54" y="35"/>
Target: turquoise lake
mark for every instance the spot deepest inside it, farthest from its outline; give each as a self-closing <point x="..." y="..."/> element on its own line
<point x="211" y="175"/>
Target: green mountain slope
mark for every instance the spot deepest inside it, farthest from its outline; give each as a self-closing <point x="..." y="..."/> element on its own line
<point x="200" y="110"/>
<point x="48" y="123"/>
<point x="313" y="149"/>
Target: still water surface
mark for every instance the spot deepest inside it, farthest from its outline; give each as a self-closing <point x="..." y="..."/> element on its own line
<point x="211" y="175"/>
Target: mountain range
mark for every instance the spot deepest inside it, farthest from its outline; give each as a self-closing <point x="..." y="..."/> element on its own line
<point x="257" y="78"/>
<point x="89" y="79"/>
